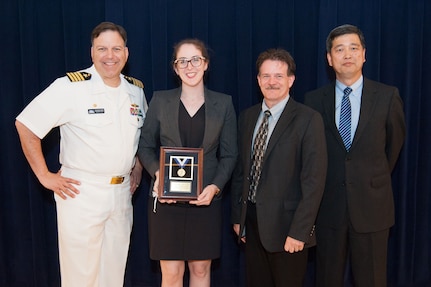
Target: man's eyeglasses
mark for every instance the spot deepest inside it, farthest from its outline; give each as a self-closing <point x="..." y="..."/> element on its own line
<point x="182" y="63"/>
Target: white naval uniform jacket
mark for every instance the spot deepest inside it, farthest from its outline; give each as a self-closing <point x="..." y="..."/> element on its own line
<point x="99" y="133"/>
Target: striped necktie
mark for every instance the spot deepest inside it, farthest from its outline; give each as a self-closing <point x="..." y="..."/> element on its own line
<point x="345" y="119"/>
<point x="259" y="148"/>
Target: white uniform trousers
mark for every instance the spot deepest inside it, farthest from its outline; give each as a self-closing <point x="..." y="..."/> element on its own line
<point x="94" y="231"/>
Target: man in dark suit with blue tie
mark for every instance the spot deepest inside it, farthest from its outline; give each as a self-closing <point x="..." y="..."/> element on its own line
<point x="365" y="130"/>
<point x="276" y="198"/>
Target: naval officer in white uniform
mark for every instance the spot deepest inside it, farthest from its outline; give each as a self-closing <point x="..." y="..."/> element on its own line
<point x="100" y="113"/>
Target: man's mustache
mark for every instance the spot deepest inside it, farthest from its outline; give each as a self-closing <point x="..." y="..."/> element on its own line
<point x="271" y="87"/>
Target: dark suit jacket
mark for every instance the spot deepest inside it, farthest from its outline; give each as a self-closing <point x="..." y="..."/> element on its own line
<point x="359" y="181"/>
<point x="292" y="179"/>
<point x="220" y="139"/>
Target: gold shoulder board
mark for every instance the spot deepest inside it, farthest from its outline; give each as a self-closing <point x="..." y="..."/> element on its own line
<point x="78" y="76"/>
<point x="134" y="81"/>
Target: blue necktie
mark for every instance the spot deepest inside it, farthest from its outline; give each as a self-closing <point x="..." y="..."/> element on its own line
<point x="345" y="119"/>
<point x="259" y="148"/>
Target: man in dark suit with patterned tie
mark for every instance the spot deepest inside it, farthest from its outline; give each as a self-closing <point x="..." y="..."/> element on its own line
<point x="276" y="197"/>
<point x="357" y="208"/>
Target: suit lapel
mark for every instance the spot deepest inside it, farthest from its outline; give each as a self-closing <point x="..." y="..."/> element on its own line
<point x="171" y="112"/>
<point x="283" y="122"/>
<point x="368" y="102"/>
<point x="248" y="130"/>
<point x="211" y="112"/>
<point x="329" y="114"/>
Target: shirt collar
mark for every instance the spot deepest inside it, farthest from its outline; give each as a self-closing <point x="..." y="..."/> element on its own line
<point x="277" y="109"/>
<point x="355" y="86"/>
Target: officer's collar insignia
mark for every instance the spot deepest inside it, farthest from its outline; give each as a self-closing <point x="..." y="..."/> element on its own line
<point x="78" y="76"/>
<point x="134" y="81"/>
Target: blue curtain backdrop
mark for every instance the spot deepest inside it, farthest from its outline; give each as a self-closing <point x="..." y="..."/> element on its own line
<point x="43" y="39"/>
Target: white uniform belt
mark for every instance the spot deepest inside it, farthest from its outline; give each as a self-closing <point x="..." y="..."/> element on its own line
<point x="79" y="174"/>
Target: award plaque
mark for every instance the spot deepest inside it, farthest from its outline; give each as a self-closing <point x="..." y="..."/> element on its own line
<point x="181" y="173"/>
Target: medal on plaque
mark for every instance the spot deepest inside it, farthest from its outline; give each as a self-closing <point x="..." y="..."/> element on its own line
<point x="181" y="173"/>
<point x="181" y="168"/>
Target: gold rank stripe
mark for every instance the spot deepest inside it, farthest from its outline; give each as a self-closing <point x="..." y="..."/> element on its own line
<point x="134" y="81"/>
<point x="78" y="76"/>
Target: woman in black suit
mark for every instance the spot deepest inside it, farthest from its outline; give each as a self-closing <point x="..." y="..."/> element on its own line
<point x="189" y="116"/>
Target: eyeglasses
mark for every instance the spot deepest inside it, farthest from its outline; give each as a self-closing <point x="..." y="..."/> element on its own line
<point x="182" y="63"/>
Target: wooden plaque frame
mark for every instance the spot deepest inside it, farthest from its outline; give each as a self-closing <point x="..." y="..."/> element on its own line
<point x="181" y="173"/>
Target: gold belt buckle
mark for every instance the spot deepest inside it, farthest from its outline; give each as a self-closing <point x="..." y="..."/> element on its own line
<point x="117" y="179"/>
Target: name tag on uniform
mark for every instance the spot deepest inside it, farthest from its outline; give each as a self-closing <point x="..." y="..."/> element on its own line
<point x="96" y="111"/>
